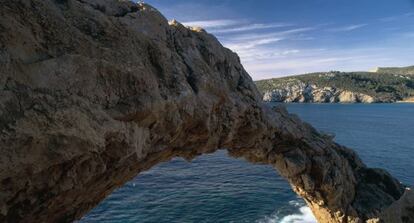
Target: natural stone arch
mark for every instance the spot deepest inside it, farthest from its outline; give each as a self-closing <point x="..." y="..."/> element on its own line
<point x="94" y="92"/>
<point x="214" y="187"/>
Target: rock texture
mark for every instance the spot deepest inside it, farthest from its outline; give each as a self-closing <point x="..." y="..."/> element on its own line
<point x="94" y="92"/>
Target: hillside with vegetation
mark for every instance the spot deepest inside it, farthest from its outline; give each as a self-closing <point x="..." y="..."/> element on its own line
<point x="385" y="85"/>
<point x="396" y="70"/>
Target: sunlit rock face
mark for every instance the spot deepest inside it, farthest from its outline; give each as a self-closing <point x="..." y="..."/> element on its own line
<point x="94" y="92"/>
<point x="300" y="92"/>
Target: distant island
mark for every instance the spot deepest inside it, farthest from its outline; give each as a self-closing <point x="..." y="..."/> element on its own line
<point x="382" y="85"/>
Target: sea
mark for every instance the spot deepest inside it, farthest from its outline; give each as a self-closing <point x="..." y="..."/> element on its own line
<point x="219" y="188"/>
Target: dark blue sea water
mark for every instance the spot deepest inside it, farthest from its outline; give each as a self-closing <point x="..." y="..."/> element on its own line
<point x="217" y="188"/>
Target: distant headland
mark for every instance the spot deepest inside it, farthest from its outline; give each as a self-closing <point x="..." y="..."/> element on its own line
<point x="381" y="85"/>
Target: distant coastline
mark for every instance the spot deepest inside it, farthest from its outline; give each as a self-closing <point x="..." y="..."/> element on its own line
<point x="407" y="100"/>
<point x="384" y="85"/>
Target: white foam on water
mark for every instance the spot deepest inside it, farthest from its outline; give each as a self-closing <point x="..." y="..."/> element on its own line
<point x="305" y="216"/>
<point x="296" y="203"/>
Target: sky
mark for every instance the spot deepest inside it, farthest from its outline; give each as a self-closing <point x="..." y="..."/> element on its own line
<point x="284" y="37"/>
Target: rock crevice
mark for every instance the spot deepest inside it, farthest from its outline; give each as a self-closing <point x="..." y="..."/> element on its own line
<point x="94" y="92"/>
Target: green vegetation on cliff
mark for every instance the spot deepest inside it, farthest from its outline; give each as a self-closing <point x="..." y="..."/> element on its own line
<point x="397" y="70"/>
<point x="385" y="85"/>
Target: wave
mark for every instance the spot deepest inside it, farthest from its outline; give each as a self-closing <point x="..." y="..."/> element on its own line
<point x="304" y="216"/>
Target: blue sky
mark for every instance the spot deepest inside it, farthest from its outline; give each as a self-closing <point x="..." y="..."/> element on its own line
<point x="283" y="37"/>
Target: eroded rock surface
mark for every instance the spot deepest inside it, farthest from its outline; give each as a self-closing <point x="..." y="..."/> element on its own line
<point x="94" y="92"/>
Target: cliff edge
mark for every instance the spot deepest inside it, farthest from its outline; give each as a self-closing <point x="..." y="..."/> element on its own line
<point x="92" y="92"/>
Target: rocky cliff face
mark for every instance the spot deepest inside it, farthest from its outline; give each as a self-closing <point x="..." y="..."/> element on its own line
<point x="310" y="93"/>
<point x="94" y="92"/>
<point x="339" y="87"/>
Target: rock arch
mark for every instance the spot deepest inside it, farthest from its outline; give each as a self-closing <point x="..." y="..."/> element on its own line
<point x="93" y="92"/>
<point x="222" y="187"/>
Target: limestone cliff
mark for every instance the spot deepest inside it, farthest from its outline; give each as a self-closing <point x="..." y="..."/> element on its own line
<point x="92" y="92"/>
<point x="310" y="93"/>
<point x="339" y="87"/>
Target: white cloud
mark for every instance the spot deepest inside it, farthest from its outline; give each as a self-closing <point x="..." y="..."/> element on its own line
<point x="315" y="60"/>
<point x="268" y="49"/>
<point x="389" y="18"/>
<point x="250" y="27"/>
<point x="232" y="26"/>
<point x="254" y="46"/>
<point x="288" y="52"/>
<point x="347" y="28"/>
<point x="212" y="23"/>
<point x="300" y="65"/>
<point x="247" y="45"/>
<point x="396" y="17"/>
<point x="256" y="36"/>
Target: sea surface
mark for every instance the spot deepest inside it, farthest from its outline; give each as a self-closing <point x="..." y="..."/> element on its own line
<point x="218" y="188"/>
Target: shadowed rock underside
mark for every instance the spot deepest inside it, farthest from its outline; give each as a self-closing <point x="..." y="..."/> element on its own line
<point x="94" y="92"/>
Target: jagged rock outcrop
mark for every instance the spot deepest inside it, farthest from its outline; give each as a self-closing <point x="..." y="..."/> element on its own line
<point x="94" y="92"/>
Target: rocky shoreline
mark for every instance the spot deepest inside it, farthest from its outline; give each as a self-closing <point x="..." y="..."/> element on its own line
<point x="339" y="87"/>
<point x="306" y="93"/>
